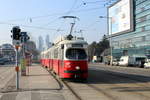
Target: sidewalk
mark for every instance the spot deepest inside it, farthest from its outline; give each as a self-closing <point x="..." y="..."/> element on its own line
<point x="38" y="79"/>
<point x="37" y="85"/>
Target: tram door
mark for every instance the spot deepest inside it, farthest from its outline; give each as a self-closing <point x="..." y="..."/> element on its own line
<point x="61" y="63"/>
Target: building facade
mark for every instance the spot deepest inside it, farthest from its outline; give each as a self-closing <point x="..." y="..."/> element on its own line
<point x="40" y="43"/>
<point x="7" y="51"/>
<point x="136" y="42"/>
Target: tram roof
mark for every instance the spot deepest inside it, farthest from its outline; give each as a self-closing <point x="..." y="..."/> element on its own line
<point x="65" y="40"/>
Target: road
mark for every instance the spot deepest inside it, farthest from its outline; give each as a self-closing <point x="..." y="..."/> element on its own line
<point x="114" y="83"/>
<point x="104" y="83"/>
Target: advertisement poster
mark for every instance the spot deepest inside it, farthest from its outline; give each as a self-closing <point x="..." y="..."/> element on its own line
<point x="120" y="17"/>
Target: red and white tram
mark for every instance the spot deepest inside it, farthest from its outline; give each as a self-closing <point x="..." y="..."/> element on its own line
<point x="67" y="58"/>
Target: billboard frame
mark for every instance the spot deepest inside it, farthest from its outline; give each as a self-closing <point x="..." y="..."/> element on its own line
<point x="131" y="19"/>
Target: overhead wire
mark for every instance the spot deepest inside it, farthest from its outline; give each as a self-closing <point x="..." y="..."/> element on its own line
<point x="59" y="28"/>
<point x="72" y="7"/>
<point x="51" y="22"/>
<point x="29" y="26"/>
<point x="55" y="14"/>
<point x="87" y="10"/>
<point x="35" y="17"/>
<point x="48" y="15"/>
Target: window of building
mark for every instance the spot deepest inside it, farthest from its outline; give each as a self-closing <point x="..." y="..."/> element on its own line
<point x="147" y="38"/>
<point x="143" y="38"/>
<point x="143" y="28"/>
<point x="142" y="19"/>
<point x="142" y="9"/>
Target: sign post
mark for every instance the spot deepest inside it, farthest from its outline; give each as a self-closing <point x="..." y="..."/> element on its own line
<point x="16" y="42"/>
<point x="17" y="67"/>
<point x="24" y="39"/>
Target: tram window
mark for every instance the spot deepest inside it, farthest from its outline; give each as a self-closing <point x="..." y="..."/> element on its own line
<point x="76" y="54"/>
<point x="56" y="53"/>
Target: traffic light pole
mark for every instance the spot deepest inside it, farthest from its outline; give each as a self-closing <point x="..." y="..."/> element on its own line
<point x="17" y="67"/>
<point x="23" y="67"/>
<point x="16" y="42"/>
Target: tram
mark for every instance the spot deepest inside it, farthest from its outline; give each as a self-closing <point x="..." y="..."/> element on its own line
<point x="67" y="57"/>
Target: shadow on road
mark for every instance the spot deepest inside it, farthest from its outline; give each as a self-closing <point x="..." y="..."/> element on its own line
<point x="110" y="77"/>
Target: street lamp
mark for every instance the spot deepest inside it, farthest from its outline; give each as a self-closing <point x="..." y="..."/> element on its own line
<point x="110" y="37"/>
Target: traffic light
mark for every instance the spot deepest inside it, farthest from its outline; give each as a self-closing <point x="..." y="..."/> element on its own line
<point x="16" y="33"/>
<point x="24" y="37"/>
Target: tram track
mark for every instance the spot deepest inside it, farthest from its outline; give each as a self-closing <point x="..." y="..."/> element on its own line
<point x="128" y="78"/>
<point x="131" y="77"/>
<point x="62" y="83"/>
<point x="76" y="94"/>
<point x="72" y="90"/>
<point x="106" y="92"/>
<point x="90" y="87"/>
<point x="109" y="95"/>
<point x="102" y="91"/>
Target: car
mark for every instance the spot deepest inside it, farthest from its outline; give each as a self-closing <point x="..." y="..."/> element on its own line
<point x="147" y="63"/>
<point x="115" y="62"/>
<point x="2" y="62"/>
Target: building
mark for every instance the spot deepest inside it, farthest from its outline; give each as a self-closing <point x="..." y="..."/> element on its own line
<point x="133" y="37"/>
<point x="40" y="43"/>
<point x="47" y="42"/>
<point x="7" y="51"/>
<point x="30" y="49"/>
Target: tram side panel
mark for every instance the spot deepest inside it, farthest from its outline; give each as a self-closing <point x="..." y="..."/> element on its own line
<point x="61" y="68"/>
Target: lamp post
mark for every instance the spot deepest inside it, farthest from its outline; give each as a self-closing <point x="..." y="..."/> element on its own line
<point x="110" y="37"/>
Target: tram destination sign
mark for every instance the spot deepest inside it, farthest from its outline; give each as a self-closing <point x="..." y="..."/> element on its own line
<point x="120" y="17"/>
<point x="77" y="45"/>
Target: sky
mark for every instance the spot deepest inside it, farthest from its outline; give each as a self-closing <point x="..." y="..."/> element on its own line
<point x="43" y="17"/>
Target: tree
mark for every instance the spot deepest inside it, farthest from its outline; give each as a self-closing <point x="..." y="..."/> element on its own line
<point x="104" y="44"/>
<point x="31" y="47"/>
<point x="91" y="50"/>
<point x="95" y="49"/>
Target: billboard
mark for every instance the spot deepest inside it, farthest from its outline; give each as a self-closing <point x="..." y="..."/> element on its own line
<point x="120" y="17"/>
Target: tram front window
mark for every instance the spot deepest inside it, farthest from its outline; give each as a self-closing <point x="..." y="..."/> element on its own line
<point x="76" y="54"/>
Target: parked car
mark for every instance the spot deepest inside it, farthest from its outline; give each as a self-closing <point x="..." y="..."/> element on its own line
<point x="115" y="62"/>
<point x="134" y="60"/>
<point x="124" y="61"/>
<point x="2" y="62"/>
<point x="147" y="63"/>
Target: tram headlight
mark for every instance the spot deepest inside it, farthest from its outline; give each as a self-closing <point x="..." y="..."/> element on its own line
<point x="77" y="68"/>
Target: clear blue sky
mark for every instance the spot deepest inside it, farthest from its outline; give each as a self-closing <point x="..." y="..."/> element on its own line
<point x="41" y="17"/>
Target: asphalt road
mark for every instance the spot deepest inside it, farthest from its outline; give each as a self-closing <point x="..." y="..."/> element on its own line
<point x="104" y="83"/>
<point x="114" y="83"/>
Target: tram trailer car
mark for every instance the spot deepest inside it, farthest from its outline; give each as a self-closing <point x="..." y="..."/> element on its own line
<point x="67" y="58"/>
